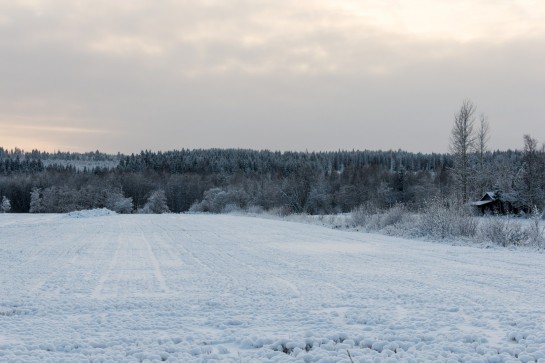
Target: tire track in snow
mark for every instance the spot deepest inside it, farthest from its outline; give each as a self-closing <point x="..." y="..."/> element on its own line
<point x="61" y="256"/>
<point x="134" y="269"/>
<point x="97" y="293"/>
<point x="156" y="268"/>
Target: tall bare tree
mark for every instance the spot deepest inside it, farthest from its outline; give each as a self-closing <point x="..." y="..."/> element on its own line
<point x="462" y="141"/>
<point x="481" y="147"/>
<point x="530" y="179"/>
<point x="482" y="138"/>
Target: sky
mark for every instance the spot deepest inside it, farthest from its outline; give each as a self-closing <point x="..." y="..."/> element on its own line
<point x="128" y="75"/>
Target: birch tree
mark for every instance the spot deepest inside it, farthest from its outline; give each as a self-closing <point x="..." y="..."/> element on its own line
<point x="462" y="141"/>
<point x="482" y="137"/>
<point x="529" y="181"/>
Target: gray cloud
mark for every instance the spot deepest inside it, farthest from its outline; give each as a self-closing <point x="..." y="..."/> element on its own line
<point x="264" y="74"/>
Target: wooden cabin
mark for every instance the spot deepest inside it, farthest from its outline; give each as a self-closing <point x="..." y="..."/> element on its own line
<point x="499" y="203"/>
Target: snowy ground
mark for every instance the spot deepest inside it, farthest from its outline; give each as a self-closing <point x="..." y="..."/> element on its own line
<point x="203" y="288"/>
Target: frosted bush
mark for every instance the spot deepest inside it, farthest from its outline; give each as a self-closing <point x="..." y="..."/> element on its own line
<point x="396" y="220"/>
<point x="464" y="224"/>
<point x="393" y="216"/>
<point x="443" y="220"/>
<point x="359" y="216"/>
<point x="406" y="227"/>
<point x="279" y="211"/>
<point x="156" y="204"/>
<point x="365" y="215"/>
<point x="118" y="203"/>
<point x="216" y="200"/>
<point x="5" y="205"/>
<point x="256" y="209"/>
<point x="436" y="221"/>
<point x="373" y="222"/>
<point x="231" y="208"/>
<point x="337" y="220"/>
<point x="536" y="231"/>
<point x="504" y="231"/>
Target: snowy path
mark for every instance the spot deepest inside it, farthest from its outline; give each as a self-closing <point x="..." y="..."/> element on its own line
<point x="194" y="288"/>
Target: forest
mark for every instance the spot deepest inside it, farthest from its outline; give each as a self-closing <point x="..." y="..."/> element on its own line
<point x="223" y="180"/>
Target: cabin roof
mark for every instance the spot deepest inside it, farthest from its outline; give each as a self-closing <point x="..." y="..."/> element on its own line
<point x="490" y="197"/>
<point x="482" y="202"/>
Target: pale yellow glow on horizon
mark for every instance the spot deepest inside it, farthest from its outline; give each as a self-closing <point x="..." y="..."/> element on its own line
<point x="49" y="128"/>
<point x="45" y="137"/>
<point x="37" y="143"/>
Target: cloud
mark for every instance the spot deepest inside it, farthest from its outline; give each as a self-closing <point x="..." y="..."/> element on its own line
<point x="273" y="36"/>
<point x="272" y="73"/>
<point x="461" y="21"/>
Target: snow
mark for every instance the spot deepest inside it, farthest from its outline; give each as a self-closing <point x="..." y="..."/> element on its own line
<point x="99" y="212"/>
<point x="222" y="288"/>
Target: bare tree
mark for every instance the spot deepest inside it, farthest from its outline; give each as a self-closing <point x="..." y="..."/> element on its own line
<point x="462" y="141"/>
<point x="481" y="147"/>
<point x="529" y="181"/>
<point x="483" y="136"/>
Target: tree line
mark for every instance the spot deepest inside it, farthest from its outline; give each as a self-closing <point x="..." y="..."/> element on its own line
<point x="215" y="179"/>
<point x="220" y="180"/>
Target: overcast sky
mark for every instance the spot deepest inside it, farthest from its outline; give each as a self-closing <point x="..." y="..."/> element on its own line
<point x="277" y="74"/>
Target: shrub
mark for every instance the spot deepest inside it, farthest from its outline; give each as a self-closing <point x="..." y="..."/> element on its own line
<point x="535" y="230"/>
<point x="5" y="205"/>
<point x="116" y="202"/>
<point x="231" y="208"/>
<point x="393" y="216"/>
<point x="156" y="204"/>
<point x="374" y="219"/>
<point x="280" y="211"/>
<point x="217" y="200"/>
<point x="444" y="220"/>
<point x="505" y="231"/>
<point x="361" y="215"/>
<point x="256" y="209"/>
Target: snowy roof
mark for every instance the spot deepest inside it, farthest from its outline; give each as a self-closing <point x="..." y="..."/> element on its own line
<point x="490" y="197"/>
<point x="482" y="202"/>
<point x="491" y="194"/>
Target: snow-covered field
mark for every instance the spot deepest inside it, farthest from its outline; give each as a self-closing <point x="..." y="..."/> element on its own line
<point x="204" y="288"/>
